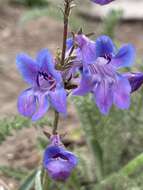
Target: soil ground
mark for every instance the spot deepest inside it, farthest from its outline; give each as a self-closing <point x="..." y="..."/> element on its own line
<point x="30" y="37"/>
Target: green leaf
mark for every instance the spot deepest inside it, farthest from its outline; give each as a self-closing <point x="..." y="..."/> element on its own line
<point x="38" y="185"/>
<point x="15" y="173"/>
<point x="133" y="166"/>
<point x="29" y="181"/>
<point x="7" y="125"/>
<point x="42" y="143"/>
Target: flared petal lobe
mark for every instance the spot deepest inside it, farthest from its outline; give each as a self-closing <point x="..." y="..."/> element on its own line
<point x="69" y="43"/>
<point x="104" y="46"/>
<point x="27" y="103"/>
<point x="85" y="86"/>
<point x="59" y="170"/>
<point x="46" y="63"/>
<point x="102" y="2"/>
<point x="122" y="90"/>
<point x="103" y="96"/>
<point x="125" y="57"/>
<point x="28" y="68"/>
<point x="87" y="48"/>
<point x="135" y="79"/>
<point x="42" y="106"/>
<point x="58" y="99"/>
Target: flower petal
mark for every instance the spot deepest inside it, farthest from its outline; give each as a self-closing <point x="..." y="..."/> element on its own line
<point x="58" y="99"/>
<point x="59" y="170"/>
<point x="49" y="153"/>
<point x="27" y="103"/>
<point x="125" y="57"/>
<point x="103" y="95"/>
<point x="102" y="2"/>
<point x="85" y="86"/>
<point x="104" y="46"/>
<point x="69" y="43"/>
<point x="44" y="59"/>
<point x="87" y="48"/>
<point x="46" y="63"/>
<point x="27" y="67"/>
<point x="71" y="158"/>
<point x="122" y="90"/>
<point x="135" y="79"/>
<point x="42" y="106"/>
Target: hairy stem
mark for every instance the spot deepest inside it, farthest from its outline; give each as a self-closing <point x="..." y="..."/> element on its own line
<point x="65" y="33"/>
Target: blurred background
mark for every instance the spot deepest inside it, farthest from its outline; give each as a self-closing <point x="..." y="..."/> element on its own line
<point x="110" y="142"/>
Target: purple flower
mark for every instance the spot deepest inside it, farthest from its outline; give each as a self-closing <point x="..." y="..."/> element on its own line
<point x="58" y="162"/>
<point x="102" y="2"/>
<point x="85" y="51"/>
<point x="100" y="75"/>
<point x="84" y="45"/>
<point x="135" y="79"/>
<point x="46" y="86"/>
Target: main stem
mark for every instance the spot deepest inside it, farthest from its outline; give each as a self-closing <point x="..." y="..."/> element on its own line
<point x="65" y="33"/>
<point x="56" y="117"/>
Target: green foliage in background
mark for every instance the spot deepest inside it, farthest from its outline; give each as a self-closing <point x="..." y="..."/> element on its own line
<point x="9" y="125"/>
<point x="51" y="12"/>
<point x="111" y="21"/>
<point x="113" y="141"/>
<point x="31" y="3"/>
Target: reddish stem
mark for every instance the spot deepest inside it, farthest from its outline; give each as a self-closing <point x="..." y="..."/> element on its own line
<point x="65" y="33"/>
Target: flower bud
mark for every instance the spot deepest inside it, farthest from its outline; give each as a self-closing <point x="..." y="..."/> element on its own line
<point x="58" y="162"/>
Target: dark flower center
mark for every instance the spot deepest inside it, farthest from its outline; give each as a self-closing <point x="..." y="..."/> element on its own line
<point x="46" y="81"/>
<point x="108" y="57"/>
<point x="60" y="156"/>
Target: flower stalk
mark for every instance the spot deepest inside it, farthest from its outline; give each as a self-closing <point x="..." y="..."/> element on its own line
<point x="65" y="33"/>
<point x="55" y="124"/>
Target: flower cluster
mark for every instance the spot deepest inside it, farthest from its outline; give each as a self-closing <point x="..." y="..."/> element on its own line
<point x="86" y="67"/>
<point x="98" y="64"/>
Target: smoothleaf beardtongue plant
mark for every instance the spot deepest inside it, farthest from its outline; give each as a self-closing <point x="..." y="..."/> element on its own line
<point x="46" y="86"/>
<point x="94" y="66"/>
<point x="57" y="161"/>
<point x="100" y="63"/>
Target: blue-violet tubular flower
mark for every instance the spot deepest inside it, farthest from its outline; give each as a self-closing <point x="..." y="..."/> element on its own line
<point x="100" y="74"/>
<point x="46" y="86"/>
